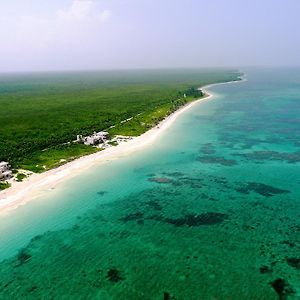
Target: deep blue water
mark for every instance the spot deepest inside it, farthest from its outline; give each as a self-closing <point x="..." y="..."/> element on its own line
<point x="210" y="211"/>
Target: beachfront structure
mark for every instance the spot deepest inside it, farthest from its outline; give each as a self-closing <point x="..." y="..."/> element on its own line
<point x="5" y="172"/>
<point x="94" y="139"/>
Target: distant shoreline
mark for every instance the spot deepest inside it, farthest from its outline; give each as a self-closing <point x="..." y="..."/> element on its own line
<point x="22" y="192"/>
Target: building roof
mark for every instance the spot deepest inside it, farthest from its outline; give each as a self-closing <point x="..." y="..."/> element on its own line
<point x="7" y="173"/>
<point x="102" y="133"/>
<point x="3" y="163"/>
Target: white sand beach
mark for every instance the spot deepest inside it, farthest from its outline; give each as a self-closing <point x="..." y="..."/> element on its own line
<point x="21" y="192"/>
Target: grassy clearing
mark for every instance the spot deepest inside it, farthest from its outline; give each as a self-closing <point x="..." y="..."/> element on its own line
<point x="48" y="159"/>
<point x="20" y="177"/>
<point x="4" y="185"/>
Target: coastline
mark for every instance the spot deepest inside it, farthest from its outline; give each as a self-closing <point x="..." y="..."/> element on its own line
<point x="22" y="192"/>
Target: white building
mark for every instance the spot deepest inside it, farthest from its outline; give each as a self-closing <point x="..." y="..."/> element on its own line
<point x="95" y="139"/>
<point x="5" y="172"/>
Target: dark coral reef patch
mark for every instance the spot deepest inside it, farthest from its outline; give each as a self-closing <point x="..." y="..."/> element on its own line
<point x="194" y="220"/>
<point x="208" y="149"/>
<point x="101" y="193"/>
<point x="216" y="160"/>
<point x="160" y="180"/>
<point x="260" y="188"/>
<point x="153" y="204"/>
<point x="292" y="157"/>
<point x="282" y="288"/>
<point x="132" y="217"/>
<point x="168" y="296"/>
<point x="294" y="262"/>
<point x="23" y="256"/>
<point x="265" y="270"/>
<point x="178" y="179"/>
<point x="114" y="275"/>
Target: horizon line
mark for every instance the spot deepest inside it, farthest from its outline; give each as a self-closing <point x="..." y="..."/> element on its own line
<point x="144" y="69"/>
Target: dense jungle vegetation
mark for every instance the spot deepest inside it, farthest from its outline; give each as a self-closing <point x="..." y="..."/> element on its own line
<point x="40" y="112"/>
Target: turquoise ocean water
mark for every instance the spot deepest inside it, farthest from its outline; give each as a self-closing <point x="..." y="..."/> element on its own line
<point x="210" y="211"/>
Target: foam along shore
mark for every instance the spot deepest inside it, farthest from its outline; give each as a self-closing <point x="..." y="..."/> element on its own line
<point x="21" y="192"/>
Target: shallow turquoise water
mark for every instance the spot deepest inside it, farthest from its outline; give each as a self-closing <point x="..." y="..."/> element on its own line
<point x="210" y="211"/>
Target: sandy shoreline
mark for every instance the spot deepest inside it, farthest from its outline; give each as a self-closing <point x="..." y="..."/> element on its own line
<point x="22" y="192"/>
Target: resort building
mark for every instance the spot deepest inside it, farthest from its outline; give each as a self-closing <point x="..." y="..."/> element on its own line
<point x="5" y="172"/>
<point x="95" y="139"/>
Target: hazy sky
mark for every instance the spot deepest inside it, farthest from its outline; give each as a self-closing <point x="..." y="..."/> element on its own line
<point x="104" y="34"/>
